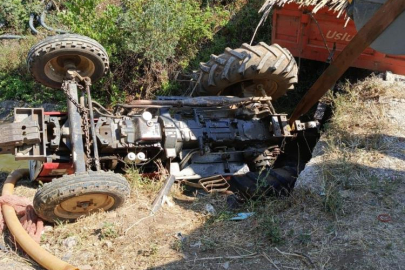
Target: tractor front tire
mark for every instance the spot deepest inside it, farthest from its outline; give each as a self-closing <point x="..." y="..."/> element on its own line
<point x="72" y="196"/>
<point x="49" y="60"/>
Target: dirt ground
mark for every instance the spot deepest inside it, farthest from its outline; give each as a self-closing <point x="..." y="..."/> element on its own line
<point x="331" y="221"/>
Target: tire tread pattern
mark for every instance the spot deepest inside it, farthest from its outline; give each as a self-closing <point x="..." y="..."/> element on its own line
<point x="258" y="63"/>
<point x="65" y="41"/>
<point x="68" y="186"/>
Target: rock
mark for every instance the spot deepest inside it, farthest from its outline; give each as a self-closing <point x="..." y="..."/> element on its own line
<point x="67" y="256"/>
<point x="197" y="244"/>
<point x="167" y="201"/>
<point x="7" y="109"/>
<point x="107" y="244"/>
<point x="70" y="242"/>
<point x="48" y="228"/>
<point x="3" y="248"/>
<point x="181" y="237"/>
<point x="391" y="77"/>
<point x="311" y="177"/>
<point x="210" y="209"/>
<point x="225" y="265"/>
<point x="48" y="107"/>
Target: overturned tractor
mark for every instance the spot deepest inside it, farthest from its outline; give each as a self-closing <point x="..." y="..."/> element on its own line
<point x="205" y="141"/>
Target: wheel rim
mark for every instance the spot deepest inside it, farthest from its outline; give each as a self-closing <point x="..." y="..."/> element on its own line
<point x="55" y="69"/>
<point x="75" y="207"/>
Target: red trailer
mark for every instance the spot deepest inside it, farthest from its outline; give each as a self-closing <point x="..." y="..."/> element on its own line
<point x="305" y="35"/>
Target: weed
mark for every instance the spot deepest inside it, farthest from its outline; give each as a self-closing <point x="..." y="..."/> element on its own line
<point x="219" y="217"/>
<point x="304" y="237"/>
<point x="270" y="227"/>
<point x="177" y="245"/>
<point x="60" y="223"/>
<point x="154" y="249"/>
<point x="134" y="178"/>
<point x="108" y="231"/>
<point x="333" y="201"/>
<point x="208" y="244"/>
<point x="330" y="229"/>
<point x="139" y="182"/>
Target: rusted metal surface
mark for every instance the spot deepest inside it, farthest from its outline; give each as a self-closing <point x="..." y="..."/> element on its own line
<point x="17" y="134"/>
<point x="216" y="183"/>
<point x="380" y="21"/>
<point x="196" y="102"/>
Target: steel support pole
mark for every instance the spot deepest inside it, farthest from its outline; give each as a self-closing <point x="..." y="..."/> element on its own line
<point x="75" y="132"/>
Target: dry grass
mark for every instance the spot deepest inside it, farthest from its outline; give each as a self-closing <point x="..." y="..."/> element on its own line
<point x="335" y="5"/>
<point x="361" y="169"/>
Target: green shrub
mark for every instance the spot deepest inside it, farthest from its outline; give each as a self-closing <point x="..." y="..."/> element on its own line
<point x="92" y="19"/>
<point x="15" y="14"/>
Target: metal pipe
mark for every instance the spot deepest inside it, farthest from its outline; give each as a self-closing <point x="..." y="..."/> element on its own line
<point x="6" y="36"/>
<point x="44" y="25"/>
<point x="92" y="126"/>
<point x="32" y="248"/>
<point x="126" y="106"/>
<point x="195" y="102"/>
<point x="75" y="131"/>
<point x="31" y="24"/>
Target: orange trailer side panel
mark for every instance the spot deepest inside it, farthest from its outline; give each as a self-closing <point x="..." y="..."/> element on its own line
<point x="295" y="29"/>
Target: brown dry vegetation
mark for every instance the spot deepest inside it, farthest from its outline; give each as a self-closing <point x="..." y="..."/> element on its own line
<point x="357" y="174"/>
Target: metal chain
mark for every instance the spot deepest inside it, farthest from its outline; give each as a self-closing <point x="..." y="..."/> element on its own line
<point x="84" y="112"/>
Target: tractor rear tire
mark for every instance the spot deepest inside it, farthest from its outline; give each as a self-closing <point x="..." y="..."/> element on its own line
<point x="49" y="60"/>
<point x="76" y="195"/>
<point x="245" y="71"/>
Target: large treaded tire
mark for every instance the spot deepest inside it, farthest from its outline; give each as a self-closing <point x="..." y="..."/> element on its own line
<point x="239" y="72"/>
<point x="48" y="201"/>
<point x="45" y="59"/>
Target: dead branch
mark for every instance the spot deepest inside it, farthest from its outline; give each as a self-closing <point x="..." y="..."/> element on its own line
<point x="299" y="255"/>
<point x="268" y="258"/>
<point x="247" y="256"/>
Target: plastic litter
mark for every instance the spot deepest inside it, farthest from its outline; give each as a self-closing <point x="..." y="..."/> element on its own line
<point x="210" y="209"/>
<point x="242" y="216"/>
